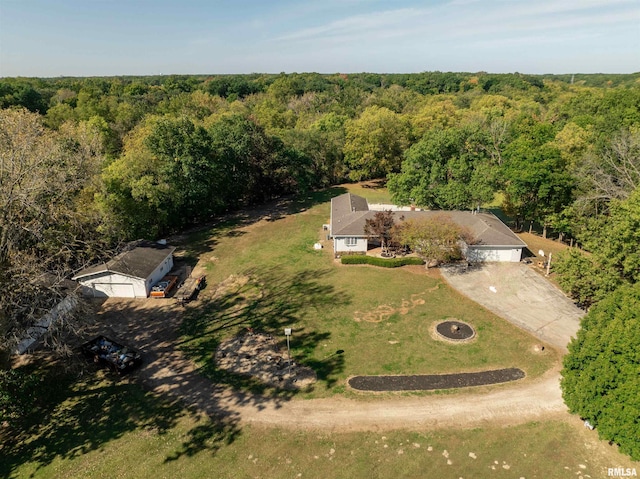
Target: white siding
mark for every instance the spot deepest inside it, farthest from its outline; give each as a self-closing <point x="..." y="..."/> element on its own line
<point x="340" y="245"/>
<point x="113" y="290"/>
<point x="162" y="269"/>
<point x="493" y="254"/>
<point x="108" y="284"/>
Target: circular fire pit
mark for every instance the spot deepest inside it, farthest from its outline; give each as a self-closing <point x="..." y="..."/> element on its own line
<point x="454" y="330"/>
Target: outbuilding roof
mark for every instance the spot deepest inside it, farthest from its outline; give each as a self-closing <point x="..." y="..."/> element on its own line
<point x="139" y="260"/>
<point x="349" y="214"/>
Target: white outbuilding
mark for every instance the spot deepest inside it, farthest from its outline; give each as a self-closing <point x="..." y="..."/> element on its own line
<point x="131" y="274"/>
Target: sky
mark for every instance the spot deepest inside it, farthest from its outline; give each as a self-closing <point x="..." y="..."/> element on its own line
<point x="50" y="38"/>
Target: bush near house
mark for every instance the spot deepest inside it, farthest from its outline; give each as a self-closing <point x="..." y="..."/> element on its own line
<point x="385" y="263"/>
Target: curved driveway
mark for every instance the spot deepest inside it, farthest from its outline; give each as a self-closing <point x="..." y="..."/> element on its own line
<point x="528" y="301"/>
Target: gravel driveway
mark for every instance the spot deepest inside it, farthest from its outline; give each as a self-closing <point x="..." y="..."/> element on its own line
<point x="518" y="294"/>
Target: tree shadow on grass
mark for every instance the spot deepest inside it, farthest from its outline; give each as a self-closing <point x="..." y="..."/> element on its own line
<point x="202" y="239"/>
<point x="265" y="300"/>
<point x="210" y="436"/>
<point x="74" y="415"/>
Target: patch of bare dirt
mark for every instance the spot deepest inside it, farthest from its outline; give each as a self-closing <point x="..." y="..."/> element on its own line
<point x="384" y="311"/>
<point x="259" y="355"/>
<point x="232" y="284"/>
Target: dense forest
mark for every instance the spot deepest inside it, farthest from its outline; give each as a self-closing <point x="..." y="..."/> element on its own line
<point x="89" y="163"/>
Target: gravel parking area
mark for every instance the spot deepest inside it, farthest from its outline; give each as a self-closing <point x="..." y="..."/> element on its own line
<point x="521" y="296"/>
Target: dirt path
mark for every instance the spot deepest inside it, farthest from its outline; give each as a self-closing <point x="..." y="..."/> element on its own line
<point x="500" y="405"/>
<point x="152" y="327"/>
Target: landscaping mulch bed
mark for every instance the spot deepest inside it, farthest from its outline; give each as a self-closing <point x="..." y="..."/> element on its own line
<point x="429" y="382"/>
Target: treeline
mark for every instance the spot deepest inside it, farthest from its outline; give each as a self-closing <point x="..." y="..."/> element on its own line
<point x="130" y="157"/>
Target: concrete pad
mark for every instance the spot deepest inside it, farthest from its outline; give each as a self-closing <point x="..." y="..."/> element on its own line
<point x="521" y="296"/>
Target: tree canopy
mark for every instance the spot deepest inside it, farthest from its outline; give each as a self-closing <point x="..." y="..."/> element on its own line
<point x="446" y="169"/>
<point x="142" y="157"/>
<point x="600" y="379"/>
<point x="613" y="259"/>
<point x="374" y="143"/>
<point x="436" y="239"/>
<point x="45" y="225"/>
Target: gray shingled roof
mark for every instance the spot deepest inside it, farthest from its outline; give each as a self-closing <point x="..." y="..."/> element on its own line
<point x="139" y="261"/>
<point x="346" y="204"/>
<point x="349" y="214"/>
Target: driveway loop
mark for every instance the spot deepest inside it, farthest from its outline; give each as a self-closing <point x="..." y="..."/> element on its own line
<point x="430" y="382"/>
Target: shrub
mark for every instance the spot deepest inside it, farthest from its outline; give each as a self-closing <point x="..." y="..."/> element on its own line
<point x="18" y="392"/>
<point x="383" y="262"/>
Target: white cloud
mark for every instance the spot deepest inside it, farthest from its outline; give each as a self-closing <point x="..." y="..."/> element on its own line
<point x="468" y="17"/>
<point x="370" y="23"/>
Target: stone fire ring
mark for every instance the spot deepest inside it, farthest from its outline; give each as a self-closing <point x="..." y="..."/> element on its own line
<point x="454" y="330"/>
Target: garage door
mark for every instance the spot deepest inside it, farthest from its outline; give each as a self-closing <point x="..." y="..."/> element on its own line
<point x="113" y="290"/>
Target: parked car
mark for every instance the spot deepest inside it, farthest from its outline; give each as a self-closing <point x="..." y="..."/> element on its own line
<point x="112" y="355"/>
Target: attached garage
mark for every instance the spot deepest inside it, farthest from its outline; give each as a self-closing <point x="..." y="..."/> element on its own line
<point x="493" y="253"/>
<point x="131" y="274"/>
<point x="493" y="240"/>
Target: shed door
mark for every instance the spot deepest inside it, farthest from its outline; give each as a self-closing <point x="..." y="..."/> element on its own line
<point x="114" y="290"/>
<point x="516" y="255"/>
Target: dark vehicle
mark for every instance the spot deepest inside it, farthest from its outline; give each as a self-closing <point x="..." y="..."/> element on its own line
<point x="110" y="354"/>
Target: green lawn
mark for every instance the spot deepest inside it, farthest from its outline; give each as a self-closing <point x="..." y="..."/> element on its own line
<point x="380" y="318"/>
<point x="266" y="275"/>
<point x="110" y="428"/>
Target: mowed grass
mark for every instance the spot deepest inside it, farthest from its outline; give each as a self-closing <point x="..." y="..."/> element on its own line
<point x="96" y="434"/>
<point x="347" y="320"/>
<point x="96" y="425"/>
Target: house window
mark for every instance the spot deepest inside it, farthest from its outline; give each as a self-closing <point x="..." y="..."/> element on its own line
<point x="351" y="241"/>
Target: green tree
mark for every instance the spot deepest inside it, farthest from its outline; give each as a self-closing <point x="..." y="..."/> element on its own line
<point x="436" y="239"/>
<point x="600" y="379"/>
<point x="583" y="277"/>
<point x="21" y="94"/>
<point x="536" y="182"/>
<point x="170" y="176"/>
<point x="447" y="169"/>
<point x="321" y="144"/>
<point x="438" y="112"/>
<point x="614" y="258"/>
<point x="18" y="393"/>
<point x="375" y="143"/>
